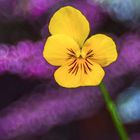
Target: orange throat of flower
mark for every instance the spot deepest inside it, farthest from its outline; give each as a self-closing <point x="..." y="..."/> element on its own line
<point x="83" y="64"/>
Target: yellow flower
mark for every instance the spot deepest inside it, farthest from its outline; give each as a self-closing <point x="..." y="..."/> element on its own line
<point x="81" y="61"/>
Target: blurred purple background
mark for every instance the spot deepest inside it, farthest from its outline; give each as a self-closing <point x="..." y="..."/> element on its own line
<point x="33" y="106"/>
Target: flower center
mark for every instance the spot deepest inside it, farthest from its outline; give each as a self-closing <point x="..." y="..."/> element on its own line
<point x="80" y="63"/>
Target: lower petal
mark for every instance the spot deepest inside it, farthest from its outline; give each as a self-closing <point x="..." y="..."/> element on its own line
<point x="80" y="77"/>
<point x="65" y="78"/>
<point x="93" y="77"/>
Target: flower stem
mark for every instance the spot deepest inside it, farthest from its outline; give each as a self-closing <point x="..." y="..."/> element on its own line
<point x="113" y="112"/>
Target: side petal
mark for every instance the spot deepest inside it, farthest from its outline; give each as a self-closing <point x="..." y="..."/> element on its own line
<point x="92" y="77"/>
<point x="71" y="22"/>
<point x="56" y="50"/>
<point x="103" y="48"/>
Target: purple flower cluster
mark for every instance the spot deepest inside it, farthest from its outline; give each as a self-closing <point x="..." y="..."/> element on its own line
<point x="25" y="59"/>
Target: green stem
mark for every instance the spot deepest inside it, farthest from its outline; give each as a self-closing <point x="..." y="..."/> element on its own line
<point x="113" y="112"/>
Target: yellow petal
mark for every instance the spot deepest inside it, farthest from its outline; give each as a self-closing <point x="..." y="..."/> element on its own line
<point x="65" y="78"/>
<point x="92" y="77"/>
<point x="79" y="76"/>
<point x="103" y="49"/>
<point x="71" y="22"/>
<point x="57" y="49"/>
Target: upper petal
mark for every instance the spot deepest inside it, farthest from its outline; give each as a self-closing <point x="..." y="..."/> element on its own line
<point x="71" y="22"/>
<point x="103" y="49"/>
<point x="57" y="49"/>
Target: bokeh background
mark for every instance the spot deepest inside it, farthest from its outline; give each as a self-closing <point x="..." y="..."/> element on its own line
<point x="33" y="106"/>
